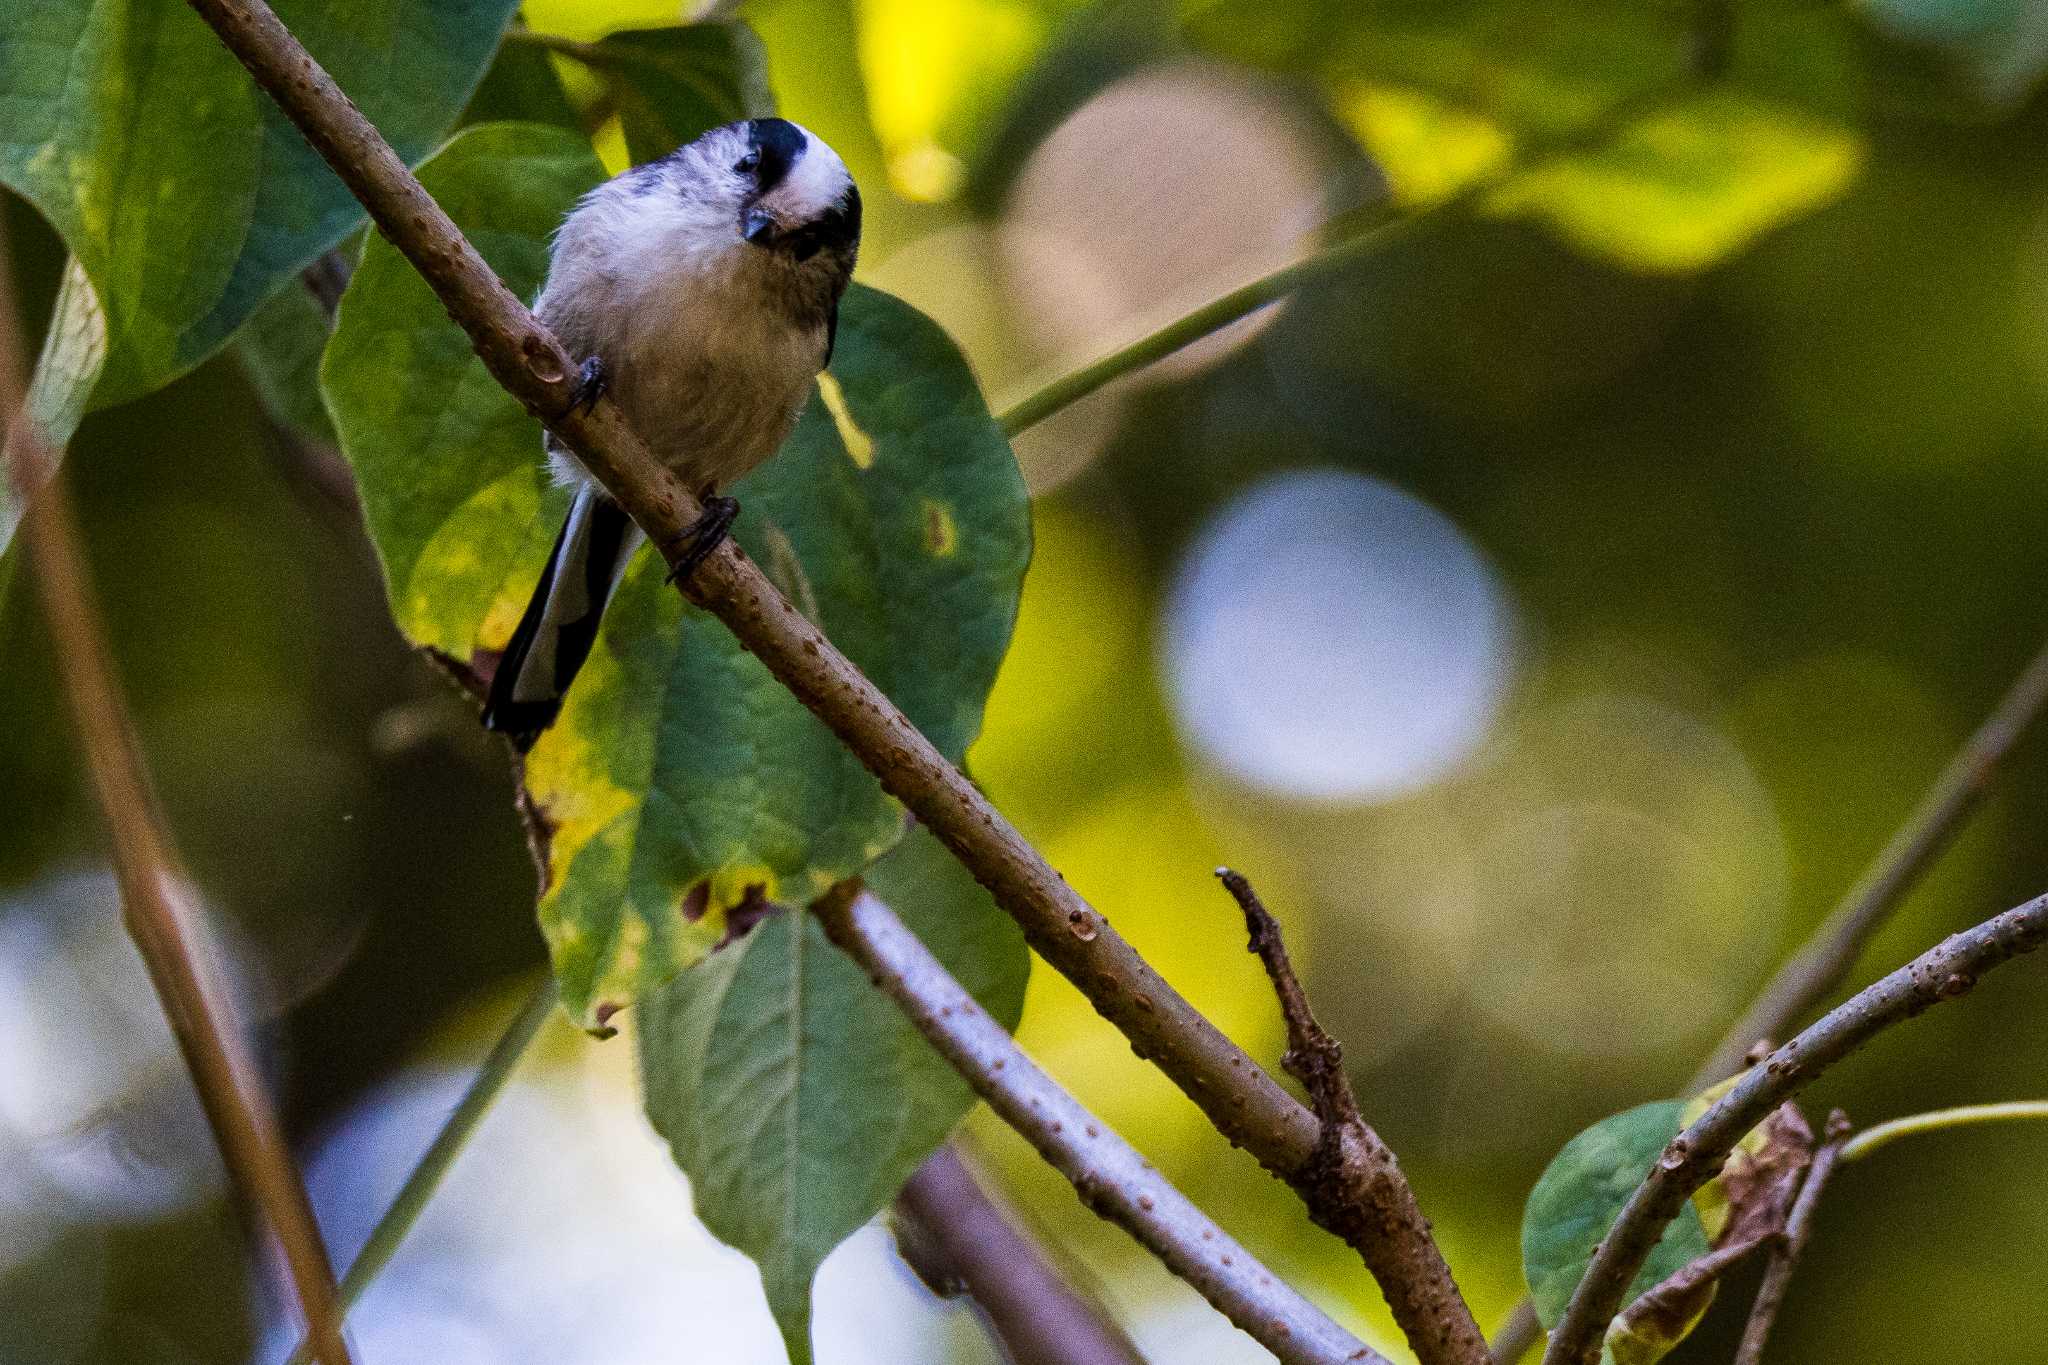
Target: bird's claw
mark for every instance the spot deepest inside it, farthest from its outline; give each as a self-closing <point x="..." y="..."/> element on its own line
<point x="703" y="535"/>
<point x="591" y="383"/>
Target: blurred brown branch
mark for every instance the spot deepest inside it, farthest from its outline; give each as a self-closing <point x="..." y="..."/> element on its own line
<point x="1352" y="1184"/>
<point x="1712" y="39"/>
<point x="313" y="469"/>
<point x="1244" y="1103"/>
<point x="1770" y="1295"/>
<point x="155" y="895"/>
<point x="325" y="280"/>
<point x="958" y="1238"/>
<point x="1112" y="1179"/>
<point x="1945" y="972"/>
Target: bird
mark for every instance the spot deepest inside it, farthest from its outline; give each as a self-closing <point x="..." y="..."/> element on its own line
<point x="701" y="292"/>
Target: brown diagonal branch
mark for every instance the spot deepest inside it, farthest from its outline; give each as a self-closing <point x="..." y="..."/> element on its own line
<point x="1111" y="1178"/>
<point x="1351" y="1183"/>
<point x="1244" y="1103"/>
<point x="1821" y="963"/>
<point x="1944" y="972"/>
<point x="959" y="1239"/>
<point x="1819" y="966"/>
<point x="1770" y="1295"/>
<point x="156" y="899"/>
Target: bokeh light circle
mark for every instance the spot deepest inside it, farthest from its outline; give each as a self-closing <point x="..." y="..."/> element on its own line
<point x="1640" y="872"/>
<point x="1167" y="188"/>
<point x="1330" y="637"/>
<point x="91" y="1081"/>
<point x="565" y="1235"/>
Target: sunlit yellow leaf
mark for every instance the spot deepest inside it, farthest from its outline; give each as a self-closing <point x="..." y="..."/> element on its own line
<point x="1427" y="148"/>
<point x="1688" y="187"/>
<point x="937" y="72"/>
<point x="1711" y="1199"/>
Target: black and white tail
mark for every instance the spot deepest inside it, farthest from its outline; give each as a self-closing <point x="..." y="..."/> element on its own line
<point x="560" y="625"/>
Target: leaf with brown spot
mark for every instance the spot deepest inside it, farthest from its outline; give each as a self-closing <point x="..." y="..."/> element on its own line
<point x="679" y="762"/>
<point x="794" y="1094"/>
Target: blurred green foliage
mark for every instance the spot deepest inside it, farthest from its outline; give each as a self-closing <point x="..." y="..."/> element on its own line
<point x="167" y="117"/>
<point x="1746" y="412"/>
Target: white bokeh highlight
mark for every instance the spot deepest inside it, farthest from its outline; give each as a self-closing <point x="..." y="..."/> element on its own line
<point x="1637" y="863"/>
<point x="1122" y="219"/>
<point x="1330" y="637"/>
<point x="565" y="1235"/>
<point x="91" y="1081"/>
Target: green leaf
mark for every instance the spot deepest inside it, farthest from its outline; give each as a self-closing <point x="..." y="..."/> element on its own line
<point x="74" y="349"/>
<point x="1651" y="1338"/>
<point x="1687" y="187"/>
<point x="279" y="349"/>
<point x="521" y="85"/>
<point x="1442" y="96"/>
<point x="1583" y="1191"/>
<point x="2001" y="46"/>
<point x="901" y="526"/>
<point x="795" y="1095"/>
<point x="188" y="197"/>
<point x="452" y="487"/>
<point x="673" y="83"/>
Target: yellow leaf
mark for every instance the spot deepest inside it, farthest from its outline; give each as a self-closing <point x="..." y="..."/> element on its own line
<point x="1427" y="148"/>
<point x="1687" y="187"/>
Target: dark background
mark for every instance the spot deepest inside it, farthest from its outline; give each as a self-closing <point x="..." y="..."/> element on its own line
<point x="1766" y="540"/>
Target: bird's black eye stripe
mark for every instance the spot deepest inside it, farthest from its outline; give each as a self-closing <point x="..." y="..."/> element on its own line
<point x="778" y="143"/>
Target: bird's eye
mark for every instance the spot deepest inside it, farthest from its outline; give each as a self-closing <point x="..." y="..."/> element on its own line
<point x="748" y="164"/>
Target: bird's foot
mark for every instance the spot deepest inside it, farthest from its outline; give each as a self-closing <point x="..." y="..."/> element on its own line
<point x="591" y="383"/>
<point x="702" y="536"/>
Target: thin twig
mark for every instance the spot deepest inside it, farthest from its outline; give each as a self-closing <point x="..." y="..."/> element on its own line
<point x="1770" y="1295"/>
<point x="1352" y="1184"/>
<point x="959" y="1239"/>
<point x="314" y="470"/>
<point x="462" y="1122"/>
<point x="1327" y="263"/>
<point x="1712" y="38"/>
<point x="1516" y="1335"/>
<point x="1674" y="1301"/>
<point x="1112" y="1180"/>
<point x="156" y="899"/>
<point x="1832" y="949"/>
<point x="1944" y="972"/>
<point x="1244" y="1103"/>
<point x="1880" y="1134"/>
<point x="1313" y="1057"/>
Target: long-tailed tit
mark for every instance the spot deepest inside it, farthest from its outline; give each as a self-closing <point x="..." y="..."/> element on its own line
<point x="704" y="289"/>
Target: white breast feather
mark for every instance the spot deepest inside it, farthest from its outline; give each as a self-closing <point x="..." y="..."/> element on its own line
<point x="667" y="293"/>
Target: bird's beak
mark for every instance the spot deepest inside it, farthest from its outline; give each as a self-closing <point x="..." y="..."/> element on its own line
<point x="759" y="227"/>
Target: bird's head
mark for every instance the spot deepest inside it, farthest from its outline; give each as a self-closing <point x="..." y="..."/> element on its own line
<point x="789" y="193"/>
